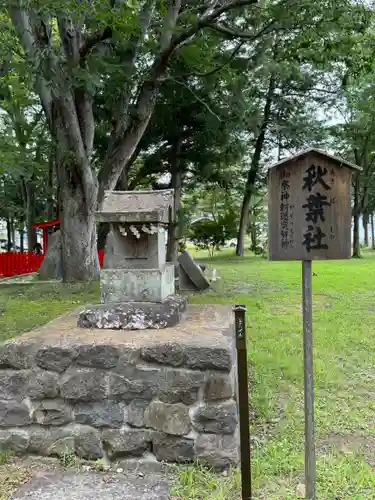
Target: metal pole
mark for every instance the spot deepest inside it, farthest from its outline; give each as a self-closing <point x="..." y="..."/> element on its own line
<point x="310" y="472"/>
<point x="243" y="400"/>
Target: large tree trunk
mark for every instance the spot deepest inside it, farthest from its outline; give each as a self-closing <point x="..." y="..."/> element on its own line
<point x="365" y="228"/>
<point x="78" y="225"/>
<point x="356" y="244"/>
<point x="28" y="196"/>
<point x="253" y="171"/>
<point x="30" y="214"/>
<point x="79" y="238"/>
<point x="253" y="237"/>
<point x="176" y="185"/>
<point x="356" y="214"/>
<point x="22" y="245"/>
<point x="9" y="235"/>
<point x="13" y="232"/>
<point x="243" y="221"/>
<point x="50" y="201"/>
<point x="372" y="232"/>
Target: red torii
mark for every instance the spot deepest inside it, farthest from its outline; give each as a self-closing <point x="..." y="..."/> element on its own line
<point x="48" y="228"/>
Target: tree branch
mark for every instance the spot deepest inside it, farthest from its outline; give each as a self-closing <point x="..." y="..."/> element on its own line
<point x="92" y="41"/>
<point x="125" y="139"/>
<point x="31" y="44"/>
<point x="231" y="33"/>
<point x="170" y="23"/>
<point x="205" y="20"/>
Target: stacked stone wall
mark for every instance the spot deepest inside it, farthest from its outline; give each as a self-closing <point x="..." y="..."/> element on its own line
<point x="167" y="402"/>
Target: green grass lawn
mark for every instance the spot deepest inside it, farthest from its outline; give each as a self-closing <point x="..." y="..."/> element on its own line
<point x="24" y="307"/>
<point x="344" y="335"/>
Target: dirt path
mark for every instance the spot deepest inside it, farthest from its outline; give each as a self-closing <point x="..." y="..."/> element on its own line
<point x="94" y="486"/>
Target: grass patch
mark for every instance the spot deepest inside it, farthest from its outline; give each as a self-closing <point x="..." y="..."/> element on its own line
<point x="344" y="351"/>
<point x="23" y="308"/>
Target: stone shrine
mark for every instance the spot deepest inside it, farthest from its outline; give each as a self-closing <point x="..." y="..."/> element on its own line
<point x="137" y="285"/>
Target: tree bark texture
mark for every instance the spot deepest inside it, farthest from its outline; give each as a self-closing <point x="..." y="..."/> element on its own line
<point x="254" y="168"/>
<point x="365" y="228"/>
<point x="9" y="235"/>
<point x="78" y="203"/>
<point x="372" y="232"/>
<point x="253" y="237"/>
<point x="356" y="215"/>
<point x="30" y="214"/>
<point x="50" y="201"/>
<point x="176" y="185"/>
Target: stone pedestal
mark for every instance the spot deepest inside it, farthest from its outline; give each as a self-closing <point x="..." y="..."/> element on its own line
<point x="168" y="394"/>
<point x="138" y="285"/>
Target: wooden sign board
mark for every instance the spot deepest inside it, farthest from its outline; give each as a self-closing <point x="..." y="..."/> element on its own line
<point x="309" y="207"/>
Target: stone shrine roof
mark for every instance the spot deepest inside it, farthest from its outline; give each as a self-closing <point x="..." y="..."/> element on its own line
<point x="136" y="206"/>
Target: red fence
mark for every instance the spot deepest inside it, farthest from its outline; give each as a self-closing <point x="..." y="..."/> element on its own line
<point x="14" y="263"/>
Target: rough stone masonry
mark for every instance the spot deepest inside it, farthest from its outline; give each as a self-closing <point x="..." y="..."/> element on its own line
<point x="163" y="394"/>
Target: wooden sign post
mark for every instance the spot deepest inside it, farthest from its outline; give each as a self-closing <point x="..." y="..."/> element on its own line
<point x="309" y="214"/>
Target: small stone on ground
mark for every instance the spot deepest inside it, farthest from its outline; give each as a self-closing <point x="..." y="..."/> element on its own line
<point x="94" y="486"/>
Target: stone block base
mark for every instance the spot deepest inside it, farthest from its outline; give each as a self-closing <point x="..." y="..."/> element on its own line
<point x="167" y="393"/>
<point x="134" y="315"/>
<point x="137" y="285"/>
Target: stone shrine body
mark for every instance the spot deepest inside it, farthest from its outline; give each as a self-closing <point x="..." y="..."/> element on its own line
<point x="134" y="267"/>
<point x="137" y="285"/>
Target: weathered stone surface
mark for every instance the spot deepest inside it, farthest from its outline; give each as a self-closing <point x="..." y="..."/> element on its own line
<point x="178" y="385"/>
<point x="87" y="442"/>
<point x="129" y="252"/>
<point x="35" y="384"/>
<point x="216" y="450"/>
<point x="218" y="386"/>
<point x="51" y="265"/>
<point x="82" y="440"/>
<point x="130" y="355"/>
<point x="169" y="384"/>
<point x="18" y="355"/>
<point x="134" y="315"/>
<point x="136" y="412"/>
<point x="43" y="384"/>
<point x="51" y="441"/>
<point x="126" y="389"/>
<point x="216" y="357"/>
<point x="100" y="414"/>
<point x="14" y="440"/>
<point x="83" y="384"/>
<point x="120" y="443"/>
<point x="136" y="206"/>
<point x="209" y="358"/>
<point x="168" y="353"/>
<point x="137" y="285"/>
<point x="13" y="384"/>
<point x="52" y="412"/>
<point x="218" y="418"/>
<point x="97" y="356"/>
<point x="193" y="271"/>
<point x="55" y="358"/>
<point x="172" y="448"/>
<point x="184" y="282"/>
<point x="13" y="414"/>
<point x="168" y="418"/>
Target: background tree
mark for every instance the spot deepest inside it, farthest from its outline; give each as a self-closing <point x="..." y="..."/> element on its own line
<point x="124" y="49"/>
